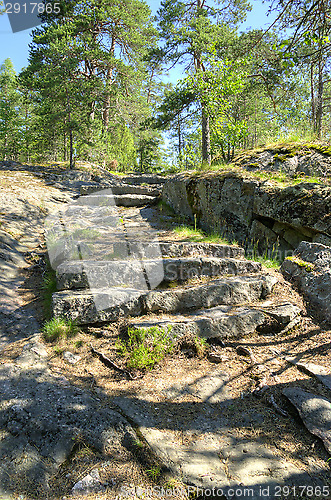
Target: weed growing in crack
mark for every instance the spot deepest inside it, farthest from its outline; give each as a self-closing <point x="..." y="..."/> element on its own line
<point x="154" y="472"/>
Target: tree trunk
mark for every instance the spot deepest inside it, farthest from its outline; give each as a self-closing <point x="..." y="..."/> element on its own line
<point x="205" y="132"/>
<point x="5" y="147"/>
<point x="312" y="94"/>
<point x="179" y="132"/>
<point x="71" y="148"/>
<point x="319" y="100"/>
<point x="71" y="159"/>
<point x="64" y="146"/>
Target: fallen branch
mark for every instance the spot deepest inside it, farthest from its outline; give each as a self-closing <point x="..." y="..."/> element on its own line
<point x="278" y="409"/>
<point x="108" y="362"/>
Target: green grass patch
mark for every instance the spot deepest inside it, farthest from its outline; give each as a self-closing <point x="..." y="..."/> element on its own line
<point x="154" y="472"/>
<point x="268" y="262"/>
<point x="271" y="258"/>
<point x="197" y="235"/>
<point x="145" y="347"/>
<point x="58" y="328"/>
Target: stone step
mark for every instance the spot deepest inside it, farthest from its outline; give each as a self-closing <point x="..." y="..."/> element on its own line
<point x="229" y="291"/>
<point x="196" y="249"/>
<point x="224" y="321"/>
<point x="120" y="200"/>
<point x="143" y="179"/>
<point x="146" y="274"/>
<point x="117" y="244"/>
<point x="93" y="306"/>
<point x="97" y="306"/>
<point x="119" y="189"/>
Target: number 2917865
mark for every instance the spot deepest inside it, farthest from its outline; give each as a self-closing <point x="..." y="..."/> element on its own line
<point x="32" y="8"/>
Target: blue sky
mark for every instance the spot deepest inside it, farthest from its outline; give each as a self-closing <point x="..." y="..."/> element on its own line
<point x="16" y="45"/>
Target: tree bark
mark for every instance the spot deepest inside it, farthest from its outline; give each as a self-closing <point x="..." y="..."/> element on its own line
<point x="319" y="100"/>
<point x="205" y="131"/>
<point x="205" y="136"/>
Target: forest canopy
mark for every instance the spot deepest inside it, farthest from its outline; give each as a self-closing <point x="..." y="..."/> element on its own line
<point x="95" y="86"/>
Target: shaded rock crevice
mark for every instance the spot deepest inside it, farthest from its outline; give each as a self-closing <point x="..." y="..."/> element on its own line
<point x="253" y="212"/>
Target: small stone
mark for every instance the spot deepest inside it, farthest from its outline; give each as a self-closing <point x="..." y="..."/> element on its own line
<point x="213" y="357"/>
<point x="89" y="484"/>
<point x="71" y="358"/>
<point x="244" y="351"/>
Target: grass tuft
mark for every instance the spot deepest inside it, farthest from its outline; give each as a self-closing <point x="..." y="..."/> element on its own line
<point x="145" y="347"/>
<point x="57" y="328"/>
<point x="197" y="235"/>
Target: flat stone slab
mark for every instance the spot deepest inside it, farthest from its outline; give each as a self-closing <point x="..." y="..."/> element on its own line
<point x="135" y="200"/>
<point x="228" y="291"/>
<point x="91" y="306"/>
<point x="195" y="437"/>
<point x="315" y="412"/>
<point x="121" y="200"/>
<point x="110" y="241"/>
<point x="142" y="179"/>
<point x="41" y="418"/>
<point x="223" y="321"/>
<point x="320" y="372"/>
<point x="146" y="273"/>
<point x="97" y="306"/>
<point x="196" y="249"/>
<point x="121" y="189"/>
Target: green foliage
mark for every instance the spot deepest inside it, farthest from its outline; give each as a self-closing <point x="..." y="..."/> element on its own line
<point x="10" y="117"/>
<point x="193" y="234"/>
<point x="154" y="472"/>
<point x="86" y="74"/>
<point x="201" y="346"/>
<point x="58" y="328"/>
<point x="145" y="347"/>
<point x="218" y="88"/>
<point x="271" y="257"/>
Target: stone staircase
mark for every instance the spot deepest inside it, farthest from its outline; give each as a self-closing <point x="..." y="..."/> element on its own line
<point x="124" y="268"/>
<point x="109" y="266"/>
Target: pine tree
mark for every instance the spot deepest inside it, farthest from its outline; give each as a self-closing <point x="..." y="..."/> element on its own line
<point x="10" y="120"/>
<point x="191" y="30"/>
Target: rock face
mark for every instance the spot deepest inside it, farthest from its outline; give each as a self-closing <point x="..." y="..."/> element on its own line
<point x="256" y="213"/>
<point x="291" y="159"/>
<point x="310" y="269"/>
